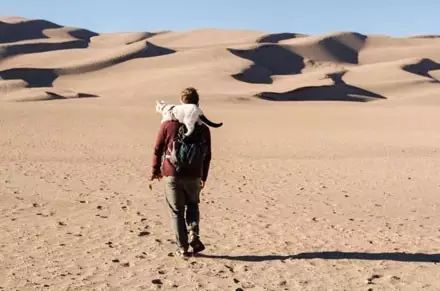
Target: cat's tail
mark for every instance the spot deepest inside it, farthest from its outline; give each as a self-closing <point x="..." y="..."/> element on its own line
<point x="209" y="122"/>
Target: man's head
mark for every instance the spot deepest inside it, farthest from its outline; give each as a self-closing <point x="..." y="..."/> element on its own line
<point x="189" y="96"/>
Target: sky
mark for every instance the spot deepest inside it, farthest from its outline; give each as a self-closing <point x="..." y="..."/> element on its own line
<point x="392" y="17"/>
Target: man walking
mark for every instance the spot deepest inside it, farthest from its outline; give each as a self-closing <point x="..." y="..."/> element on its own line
<point x="183" y="183"/>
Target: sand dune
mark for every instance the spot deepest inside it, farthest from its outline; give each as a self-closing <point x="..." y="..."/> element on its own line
<point x="84" y="61"/>
<point x="292" y="56"/>
<point x="41" y="52"/>
<point x="341" y="47"/>
<point x="268" y="60"/>
<point x="26" y="47"/>
<point x="17" y="29"/>
<point x="70" y="32"/>
<point x="336" y="194"/>
<point x="206" y="38"/>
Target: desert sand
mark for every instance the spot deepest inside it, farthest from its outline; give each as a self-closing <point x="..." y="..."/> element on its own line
<point x="325" y="175"/>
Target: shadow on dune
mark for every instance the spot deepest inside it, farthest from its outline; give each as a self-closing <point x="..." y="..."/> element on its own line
<point x="49" y="96"/>
<point x="30" y="48"/>
<point x="433" y="36"/>
<point x="268" y="59"/>
<point x="150" y="50"/>
<point x="342" y="52"/>
<point x="277" y="37"/>
<point x="271" y="59"/>
<point x="423" y="67"/>
<point x="83" y="34"/>
<point x="32" y="29"/>
<point x="255" y="75"/>
<point x="336" y="255"/>
<point x="45" y="77"/>
<point x="35" y="29"/>
<point x="55" y="96"/>
<point x="34" y="77"/>
<point x="153" y="50"/>
<point x="338" y="91"/>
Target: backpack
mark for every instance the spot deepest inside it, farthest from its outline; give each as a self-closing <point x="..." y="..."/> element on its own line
<point x="188" y="153"/>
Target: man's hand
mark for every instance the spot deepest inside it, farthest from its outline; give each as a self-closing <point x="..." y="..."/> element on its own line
<point x="155" y="177"/>
<point x="202" y="184"/>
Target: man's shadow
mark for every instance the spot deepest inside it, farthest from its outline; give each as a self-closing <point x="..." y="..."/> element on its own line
<point x="335" y="255"/>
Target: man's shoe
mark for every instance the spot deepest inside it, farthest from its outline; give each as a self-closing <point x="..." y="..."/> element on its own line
<point x="180" y="252"/>
<point x="196" y="245"/>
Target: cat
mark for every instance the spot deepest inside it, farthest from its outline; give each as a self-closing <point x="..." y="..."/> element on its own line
<point x="188" y="114"/>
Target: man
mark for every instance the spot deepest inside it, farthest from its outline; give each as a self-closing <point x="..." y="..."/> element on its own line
<point x="182" y="186"/>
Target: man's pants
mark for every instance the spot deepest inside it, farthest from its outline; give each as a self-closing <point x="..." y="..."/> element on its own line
<point x="183" y="197"/>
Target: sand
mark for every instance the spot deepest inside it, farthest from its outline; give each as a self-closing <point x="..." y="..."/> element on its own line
<point x="325" y="175"/>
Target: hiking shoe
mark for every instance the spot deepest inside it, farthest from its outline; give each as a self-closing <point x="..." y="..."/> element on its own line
<point x="196" y="245"/>
<point x="180" y="252"/>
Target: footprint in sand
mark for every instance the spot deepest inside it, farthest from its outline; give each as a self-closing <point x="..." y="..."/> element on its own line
<point x="156" y="282"/>
<point x="141" y="256"/>
<point x="370" y="280"/>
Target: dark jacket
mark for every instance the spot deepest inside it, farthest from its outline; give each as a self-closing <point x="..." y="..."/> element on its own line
<point x="167" y="133"/>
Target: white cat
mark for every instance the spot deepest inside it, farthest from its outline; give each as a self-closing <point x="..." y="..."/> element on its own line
<point x="188" y="114"/>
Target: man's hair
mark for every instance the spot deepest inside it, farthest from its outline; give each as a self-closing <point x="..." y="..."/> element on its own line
<point x="190" y="96"/>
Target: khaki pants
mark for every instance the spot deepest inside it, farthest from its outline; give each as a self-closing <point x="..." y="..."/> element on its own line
<point x="183" y="197"/>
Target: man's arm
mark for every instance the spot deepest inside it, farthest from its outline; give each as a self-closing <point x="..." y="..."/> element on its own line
<point x="207" y="161"/>
<point x="159" y="149"/>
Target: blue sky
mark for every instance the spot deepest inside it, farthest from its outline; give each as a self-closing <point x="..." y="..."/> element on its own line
<point x="395" y="17"/>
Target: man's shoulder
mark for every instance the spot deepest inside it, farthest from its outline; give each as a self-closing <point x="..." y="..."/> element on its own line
<point x="170" y="123"/>
<point x="169" y="127"/>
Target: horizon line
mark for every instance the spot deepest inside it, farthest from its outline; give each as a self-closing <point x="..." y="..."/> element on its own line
<point x="166" y="30"/>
